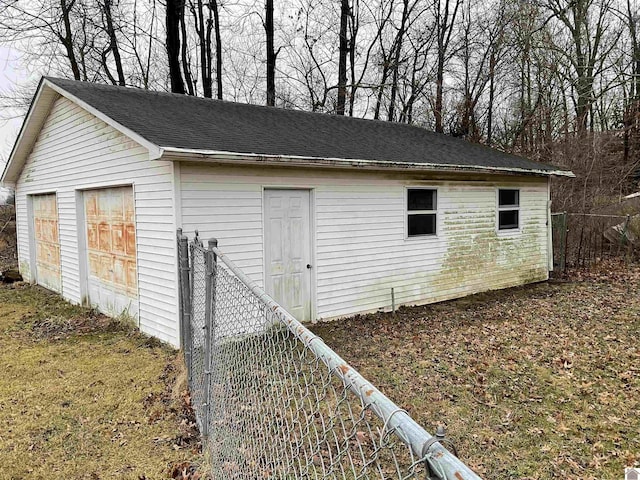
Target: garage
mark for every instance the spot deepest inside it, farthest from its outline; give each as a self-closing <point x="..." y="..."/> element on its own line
<point x="46" y="239"/>
<point x="112" y="285"/>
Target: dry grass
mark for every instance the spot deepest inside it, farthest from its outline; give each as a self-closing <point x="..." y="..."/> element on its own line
<point x="537" y="382"/>
<point x="82" y="396"/>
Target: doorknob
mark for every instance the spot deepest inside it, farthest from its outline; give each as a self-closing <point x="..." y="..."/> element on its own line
<point x="309" y="266"/>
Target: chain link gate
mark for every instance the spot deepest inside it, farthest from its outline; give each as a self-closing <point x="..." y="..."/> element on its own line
<point x="273" y="401"/>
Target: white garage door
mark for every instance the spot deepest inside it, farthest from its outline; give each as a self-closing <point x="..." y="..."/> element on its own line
<point x="111" y="250"/>
<point x="46" y="240"/>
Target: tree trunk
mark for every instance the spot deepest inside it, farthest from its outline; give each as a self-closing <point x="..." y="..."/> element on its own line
<point x="271" y="55"/>
<point x="439" y="88"/>
<point x="205" y="49"/>
<point x="209" y="55"/>
<point x="172" y="21"/>
<point x="632" y="111"/>
<point x="185" y="57"/>
<point x="584" y="84"/>
<point x="113" y="43"/>
<point x="406" y="115"/>
<point x="342" y="57"/>
<point x="67" y="37"/>
<point x="383" y="80"/>
<point x="353" y="38"/>
<point x="216" y="26"/>
<point x="396" y="60"/>
<point x="492" y="70"/>
<point x="445" y="21"/>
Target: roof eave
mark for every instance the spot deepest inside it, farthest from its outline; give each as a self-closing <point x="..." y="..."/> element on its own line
<point x="183" y="154"/>
<point x="10" y="172"/>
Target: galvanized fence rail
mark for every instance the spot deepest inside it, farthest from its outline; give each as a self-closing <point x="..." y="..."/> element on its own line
<point x="272" y="400"/>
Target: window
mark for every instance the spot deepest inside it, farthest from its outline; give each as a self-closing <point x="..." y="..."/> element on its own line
<point x="508" y="209"/>
<point x="421" y="211"/>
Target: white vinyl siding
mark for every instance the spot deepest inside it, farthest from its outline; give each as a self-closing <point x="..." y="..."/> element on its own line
<point x="361" y="250"/>
<point x="76" y="150"/>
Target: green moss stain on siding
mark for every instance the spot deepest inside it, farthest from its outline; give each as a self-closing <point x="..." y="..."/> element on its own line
<point x="476" y="258"/>
<point x="481" y="258"/>
<point x="25" y="270"/>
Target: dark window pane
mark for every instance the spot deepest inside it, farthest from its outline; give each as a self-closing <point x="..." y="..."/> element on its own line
<point x="422" y="224"/>
<point x="421" y="199"/>
<point x="508" y="219"/>
<point x="508" y="198"/>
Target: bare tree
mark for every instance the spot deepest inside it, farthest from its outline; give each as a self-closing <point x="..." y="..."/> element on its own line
<point x="203" y="27"/>
<point x="497" y="44"/>
<point x="185" y="50"/>
<point x="66" y="36"/>
<point x="112" y="46"/>
<point x="631" y="120"/>
<point x="445" y="12"/>
<point x="587" y="23"/>
<point x="213" y="5"/>
<point x="49" y="22"/>
<point x="342" y="57"/>
<point x="271" y="54"/>
<point x="418" y="76"/>
<point x="174" y="18"/>
<point x="396" y="58"/>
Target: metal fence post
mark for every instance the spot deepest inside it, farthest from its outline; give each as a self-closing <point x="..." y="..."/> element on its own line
<point x="213" y="243"/>
<point x="180" y="302"/>
<point x="563" y="246"/>
<point x="208" y="317"/>
<point x="185" y="300"/>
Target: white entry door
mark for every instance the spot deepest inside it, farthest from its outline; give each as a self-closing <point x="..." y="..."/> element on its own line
<point x="288" y="250"/>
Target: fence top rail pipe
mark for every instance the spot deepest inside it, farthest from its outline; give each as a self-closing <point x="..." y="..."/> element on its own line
<point x="424" y="447"/>
<point x="601" y="215"/>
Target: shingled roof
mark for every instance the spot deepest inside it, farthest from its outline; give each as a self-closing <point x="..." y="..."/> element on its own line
<point x="181" y="122"/>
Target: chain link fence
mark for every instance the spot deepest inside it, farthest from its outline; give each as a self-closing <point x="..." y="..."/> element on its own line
<point x="582" y="239"/>
<point x="273" y="401"/>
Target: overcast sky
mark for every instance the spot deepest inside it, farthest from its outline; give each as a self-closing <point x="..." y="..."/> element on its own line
<point x="11" y="75"/>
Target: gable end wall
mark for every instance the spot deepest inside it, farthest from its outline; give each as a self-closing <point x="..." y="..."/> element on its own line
<point x="76" y="150"/>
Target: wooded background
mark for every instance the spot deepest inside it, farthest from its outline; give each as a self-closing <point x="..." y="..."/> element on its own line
<point x="553" y="80"/>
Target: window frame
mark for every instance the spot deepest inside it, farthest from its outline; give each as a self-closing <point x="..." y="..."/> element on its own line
<point x="508" y="208"/>
<point x="408" y="212"/>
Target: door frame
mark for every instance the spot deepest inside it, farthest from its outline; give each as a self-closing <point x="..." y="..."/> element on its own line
<point x="312" y="239"/>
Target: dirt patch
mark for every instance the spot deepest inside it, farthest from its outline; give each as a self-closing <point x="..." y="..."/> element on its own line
<point x="49" y="317"/>
<point x="536" y="382"/>
<point x="174" y="400"/>
<point x="57" y="328"/>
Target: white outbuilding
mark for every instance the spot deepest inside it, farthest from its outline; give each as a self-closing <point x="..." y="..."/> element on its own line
<point x="327" y="213"/>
